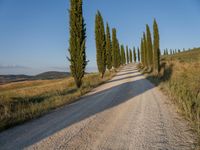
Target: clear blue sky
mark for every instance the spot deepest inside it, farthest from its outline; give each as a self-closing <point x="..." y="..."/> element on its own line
<point x="34" y="33"/>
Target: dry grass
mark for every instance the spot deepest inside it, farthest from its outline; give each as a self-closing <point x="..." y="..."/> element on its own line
<point x="22" y="101"/>
<point x="180" y="78"/>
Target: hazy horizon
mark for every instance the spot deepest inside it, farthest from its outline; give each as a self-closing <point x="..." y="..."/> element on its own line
<point x="22" y="70"/>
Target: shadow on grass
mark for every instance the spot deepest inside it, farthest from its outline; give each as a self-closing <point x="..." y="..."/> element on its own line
<point x="165" y="75"/>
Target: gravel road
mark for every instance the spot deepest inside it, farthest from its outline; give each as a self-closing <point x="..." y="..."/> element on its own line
<point x="127" y="112"/>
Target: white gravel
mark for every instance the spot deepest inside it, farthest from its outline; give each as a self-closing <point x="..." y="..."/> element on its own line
<point x="128" y="112"/>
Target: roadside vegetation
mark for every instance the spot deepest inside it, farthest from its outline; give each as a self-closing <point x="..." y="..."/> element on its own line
<point x="26" y="100"/>
<point x="179" y="77"/>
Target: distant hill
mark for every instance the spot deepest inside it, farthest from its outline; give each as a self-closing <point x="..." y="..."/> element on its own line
<point x="43" y="76"/>
<point x="51" y="75"/>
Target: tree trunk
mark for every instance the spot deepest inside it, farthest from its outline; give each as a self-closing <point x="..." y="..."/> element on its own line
<point x="78" y="83"/>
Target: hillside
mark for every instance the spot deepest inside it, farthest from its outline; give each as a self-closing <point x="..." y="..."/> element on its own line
<point x="50" y="75"/>
<point x="189" y="56"/>
<point x="180" y="79"/>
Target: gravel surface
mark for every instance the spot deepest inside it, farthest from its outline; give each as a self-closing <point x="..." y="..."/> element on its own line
<point x="127" y="112"/>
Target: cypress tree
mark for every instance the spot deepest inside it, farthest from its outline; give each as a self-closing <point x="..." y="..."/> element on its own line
<point x="170" y="51"/>
<point x="156" y="47"/>
<point x="167" y="52"/>
<point x="127" y="55"/>
<point x="108" y="48"/>
<point x="123" y="60"/>
<point x="142" y="52"/>
<point x="100" y="43"/>
<point x="149" y="47"/>
<point x="131" y="55"/>
<point x="77" y="42"/>
<point x="118" y="55"/>
<point x="138" y="52"/>
<point x="145" y="50"/>
<point x="134" y="54"/>
<point x="115" y="45"/>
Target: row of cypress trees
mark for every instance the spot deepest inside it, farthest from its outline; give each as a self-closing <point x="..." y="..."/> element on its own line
<point x="150" y="51"/>
<point x="109" y="53"/>
<point x="171" y="52"/>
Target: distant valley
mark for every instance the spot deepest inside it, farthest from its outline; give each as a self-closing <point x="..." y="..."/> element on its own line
<point x="50" y="75"/>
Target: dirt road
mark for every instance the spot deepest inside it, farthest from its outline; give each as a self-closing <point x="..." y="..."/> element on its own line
<point x="128" y="112"/>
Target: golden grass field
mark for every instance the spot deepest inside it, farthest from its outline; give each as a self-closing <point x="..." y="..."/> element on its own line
<point x="180" y="79"/>
<point x="22" y="101"/>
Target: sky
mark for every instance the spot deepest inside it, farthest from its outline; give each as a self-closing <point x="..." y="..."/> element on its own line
<point x="34" y="34"/>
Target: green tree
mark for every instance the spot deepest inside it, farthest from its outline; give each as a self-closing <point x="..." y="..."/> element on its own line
<point x="138" y="53"/>
<point x="100" y="43"/>
<point x="108" y="48"/>
<point x="123" y="56"/>
<point x="131" y="55"/>
<point x="134" y="54"/>
<point x="127" y="55"/>
<point x="171" y="52"/>
<point x="149" y="47"/>
<point x="118" y="55"/>
<point x="77" y="42"/>
<point x="142" y="52"/>
<point x="156" y="47"/>
<point x="145" y="50"/>
<point x="115" y="45"/>
<point x="167" y="52"/>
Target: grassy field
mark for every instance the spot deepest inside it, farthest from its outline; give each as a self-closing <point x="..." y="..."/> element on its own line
<point x="180" y="78"/>
<point x="23" y="101"/>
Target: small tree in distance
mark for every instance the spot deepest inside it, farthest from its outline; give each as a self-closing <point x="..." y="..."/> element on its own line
<point x="131" y="56"/>
<point x="138" y="53"/>
<point x="127" y="55"/>
<point x="123" y="56"/>
<point x="134" y="54"/>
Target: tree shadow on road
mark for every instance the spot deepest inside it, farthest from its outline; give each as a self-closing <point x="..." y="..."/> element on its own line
<point x="127" y="73"/>
<point x="68" y="115"/>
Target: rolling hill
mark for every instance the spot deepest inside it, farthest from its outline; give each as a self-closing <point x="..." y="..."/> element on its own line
<point x="50" y="75"/>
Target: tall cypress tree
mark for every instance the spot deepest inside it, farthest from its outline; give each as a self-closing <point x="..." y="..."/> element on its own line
<point x="167" y="52"/>
<point x="108" y="48"/>
<point x="142" y="52"/>
<point x="149" y="47"/>
<point x="127" y="55"/>
<point x="123" y="56"/>
<point x="138" y="53"/>
<point x="156" y="46"/>
<point x="134" y="54"/>
<point x="77" y="42"/>
<point x="118" y="55"/>
<point x="145" y="50"/>
<point x="131" y="55"/>
<point x="115" y="45"/>
<point x="100" y="43"/>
